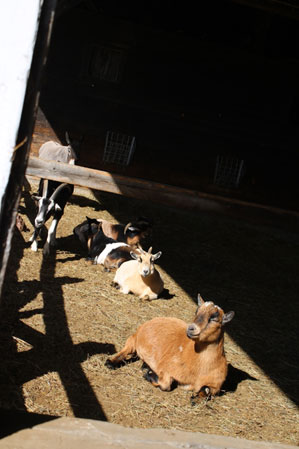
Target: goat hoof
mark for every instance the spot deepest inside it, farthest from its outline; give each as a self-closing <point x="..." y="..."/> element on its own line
<point x="110" y="365"/>
<point x="205" y="392"/>
<point x="194" y="400"/>
<point x="146" y="298"/>
<point x="151" y="376"/>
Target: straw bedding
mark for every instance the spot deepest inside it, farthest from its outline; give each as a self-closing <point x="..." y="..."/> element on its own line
<point x="61" y="318"/>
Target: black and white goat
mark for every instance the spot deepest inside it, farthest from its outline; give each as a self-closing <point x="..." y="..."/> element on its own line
<point x="110" y="244"/>
<point x="52" y="195"/>
<point x="52" y="198"/>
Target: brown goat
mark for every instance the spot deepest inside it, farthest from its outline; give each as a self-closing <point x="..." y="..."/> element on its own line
<point x="190" y="355"/>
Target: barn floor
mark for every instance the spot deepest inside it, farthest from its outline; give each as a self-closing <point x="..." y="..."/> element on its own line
<point x="61" y="318"/>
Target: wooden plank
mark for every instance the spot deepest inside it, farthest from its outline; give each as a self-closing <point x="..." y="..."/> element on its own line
<point x="113" y="183"/>
<point x="161" y="193"/>
<point x="288" y="9"/>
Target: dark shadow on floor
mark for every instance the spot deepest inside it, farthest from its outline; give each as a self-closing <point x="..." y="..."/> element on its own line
<point x="63" y="356"/>
<point x="13" y="421"/>
<point x="234" y="377"/>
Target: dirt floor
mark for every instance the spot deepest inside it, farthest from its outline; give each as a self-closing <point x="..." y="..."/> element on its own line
<point x="61" y="318"/>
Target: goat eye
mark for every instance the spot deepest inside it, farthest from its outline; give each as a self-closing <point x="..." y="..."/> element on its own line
<point x="214" y="316"/>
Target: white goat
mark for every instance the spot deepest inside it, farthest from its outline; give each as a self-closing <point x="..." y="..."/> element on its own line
<point x="139" y="276"/>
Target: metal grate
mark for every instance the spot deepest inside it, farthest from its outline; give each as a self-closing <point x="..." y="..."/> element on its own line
<point x="228" y="171"/>
<point x="106" y="63"/>
<point x="119" y="148"/>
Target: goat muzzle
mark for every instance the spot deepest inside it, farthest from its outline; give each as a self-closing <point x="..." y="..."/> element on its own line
<point x="38" y="223"/>
<point x="192" y="331"/>
<point x="146" y="272"/>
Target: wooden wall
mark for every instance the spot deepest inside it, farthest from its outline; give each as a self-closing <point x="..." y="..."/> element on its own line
<point x="186" y="98"/>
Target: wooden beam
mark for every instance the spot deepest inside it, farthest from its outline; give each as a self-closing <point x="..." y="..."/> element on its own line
<point x="160" y="193"/>
<point x="288" y="9"/>
<point x="113" y="183"/>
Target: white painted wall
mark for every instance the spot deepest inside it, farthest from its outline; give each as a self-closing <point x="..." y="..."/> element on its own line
<point x="18" y="29"/>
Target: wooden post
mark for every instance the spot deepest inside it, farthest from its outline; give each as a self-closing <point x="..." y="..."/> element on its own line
<point x="24" y="23"/>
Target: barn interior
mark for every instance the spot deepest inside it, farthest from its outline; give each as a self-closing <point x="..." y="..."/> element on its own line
<point x="202" y="96"/>
<point x="198" y="96"/>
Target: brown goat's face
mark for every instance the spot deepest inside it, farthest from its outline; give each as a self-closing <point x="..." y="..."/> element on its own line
<point x="208" y="322"/>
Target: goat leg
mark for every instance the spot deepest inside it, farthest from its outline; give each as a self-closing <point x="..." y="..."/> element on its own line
<point x="33" y="239"/>
<point x="125" y="354"/>
<point x="204" y="392"/>
<point x="151" y="377"/>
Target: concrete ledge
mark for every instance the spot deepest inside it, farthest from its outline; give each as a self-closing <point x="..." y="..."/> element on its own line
<point x="75" y="433"/>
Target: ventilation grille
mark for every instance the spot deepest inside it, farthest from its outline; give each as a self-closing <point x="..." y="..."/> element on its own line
<point x="119" y="148"/>
<point x="228" y="171"/>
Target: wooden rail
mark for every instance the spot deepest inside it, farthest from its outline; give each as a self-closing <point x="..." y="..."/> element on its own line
<point x="121" y="185"/>
<point x="158" y="192"/>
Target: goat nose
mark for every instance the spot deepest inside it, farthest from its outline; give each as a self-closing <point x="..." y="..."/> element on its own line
<point x="191" y="327"/>
<point x="145" y="272"/>
<point x="38" y="222"/>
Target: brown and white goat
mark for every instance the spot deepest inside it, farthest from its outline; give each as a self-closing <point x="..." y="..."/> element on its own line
<point x="95" y="234"/>
<point x="190" y="355"/>
<point x="139" y="276"/>
<point x="132" y="233"/>
<point x="113" y="255"/>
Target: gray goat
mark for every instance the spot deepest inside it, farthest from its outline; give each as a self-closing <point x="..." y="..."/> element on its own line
<point x="54" y="151"/>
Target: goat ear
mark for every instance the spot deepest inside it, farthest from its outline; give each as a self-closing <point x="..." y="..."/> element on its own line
<point x="90" y="220"/>
<point x="132" y="228"/>
<point x="200" y="301"/>
<point x="157" y="255"/>
<point x="127" y="227"/>
<point x="67" y="138"/>
<point x="227" y="317"/>
<point x="134" y="255"/>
